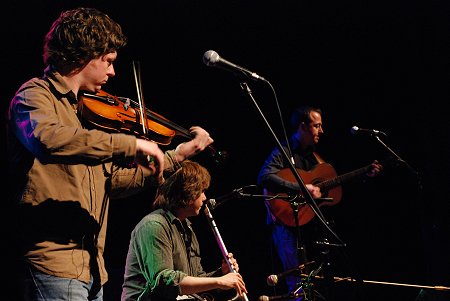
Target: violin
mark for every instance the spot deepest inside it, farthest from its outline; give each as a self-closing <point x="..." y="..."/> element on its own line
<point x="121" y="114"/>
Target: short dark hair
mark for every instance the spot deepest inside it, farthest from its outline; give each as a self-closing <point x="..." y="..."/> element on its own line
<point x="302" y="114"/>
<point x="80" y="35"/>
<point x="183" y="186"/>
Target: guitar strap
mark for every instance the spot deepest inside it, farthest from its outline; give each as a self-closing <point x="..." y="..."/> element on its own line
<point x="318" y="158"/>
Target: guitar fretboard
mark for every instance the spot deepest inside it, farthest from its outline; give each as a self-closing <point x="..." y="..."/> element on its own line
<point x="331" y="183"/>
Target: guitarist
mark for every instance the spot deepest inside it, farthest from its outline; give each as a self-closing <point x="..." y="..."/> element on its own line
<point x="290" y="244"/>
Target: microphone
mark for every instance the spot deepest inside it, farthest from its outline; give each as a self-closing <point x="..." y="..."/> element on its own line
<point x="212" y="59"/>
<point x="214" y="203"/>
<point x="273" y="280"/>
<point x="278" y="298"/>
<point x="356" y="130"/>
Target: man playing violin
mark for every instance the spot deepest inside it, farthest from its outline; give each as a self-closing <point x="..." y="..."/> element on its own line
<point x="64" y="174"/>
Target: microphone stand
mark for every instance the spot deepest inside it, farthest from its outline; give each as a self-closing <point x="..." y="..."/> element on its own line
<point x="306" y="195"/>
<point x="400" y="160"/>
<point x="395" y="155"/>
<point x="301" y="252"/>
<point x="307" y="288"/>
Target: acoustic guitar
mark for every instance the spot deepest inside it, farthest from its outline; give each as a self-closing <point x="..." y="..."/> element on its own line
<point x="322" y="175"/>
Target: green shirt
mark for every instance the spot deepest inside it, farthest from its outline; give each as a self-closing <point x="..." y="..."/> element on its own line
<point x="162" y="251"/>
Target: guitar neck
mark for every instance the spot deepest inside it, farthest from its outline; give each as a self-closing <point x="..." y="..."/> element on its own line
<point x="337" y="181"/>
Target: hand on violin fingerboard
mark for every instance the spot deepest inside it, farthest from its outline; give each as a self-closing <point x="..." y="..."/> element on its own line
<point x="200" y="141"/>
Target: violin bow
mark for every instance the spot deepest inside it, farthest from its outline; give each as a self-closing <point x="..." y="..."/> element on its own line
<point x="140" y="95"/>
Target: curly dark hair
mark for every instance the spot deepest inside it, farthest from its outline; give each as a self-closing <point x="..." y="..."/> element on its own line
<point x="80" y="35"/>
<point x="183" y="186"/>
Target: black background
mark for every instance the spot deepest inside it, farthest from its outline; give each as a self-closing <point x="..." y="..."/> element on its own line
<point x="374" y="64"/>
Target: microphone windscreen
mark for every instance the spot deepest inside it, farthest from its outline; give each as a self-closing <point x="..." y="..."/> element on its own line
<point x="212" y="203"/>
<point x="210" y="57"/>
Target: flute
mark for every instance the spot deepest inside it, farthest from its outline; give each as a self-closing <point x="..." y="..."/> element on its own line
<point x="223" y="249"/>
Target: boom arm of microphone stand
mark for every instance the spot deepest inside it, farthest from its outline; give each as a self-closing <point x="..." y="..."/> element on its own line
<point x="287" y="198"/>
<point x="397" y="156"/>
<point x="308" y="198"/>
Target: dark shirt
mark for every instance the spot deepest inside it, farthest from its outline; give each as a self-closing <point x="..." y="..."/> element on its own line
<point x="276" y="161"/>
<point x="305" y="159"/>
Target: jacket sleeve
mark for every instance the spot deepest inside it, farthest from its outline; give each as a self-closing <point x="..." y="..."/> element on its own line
<point x="51" y="131"/>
